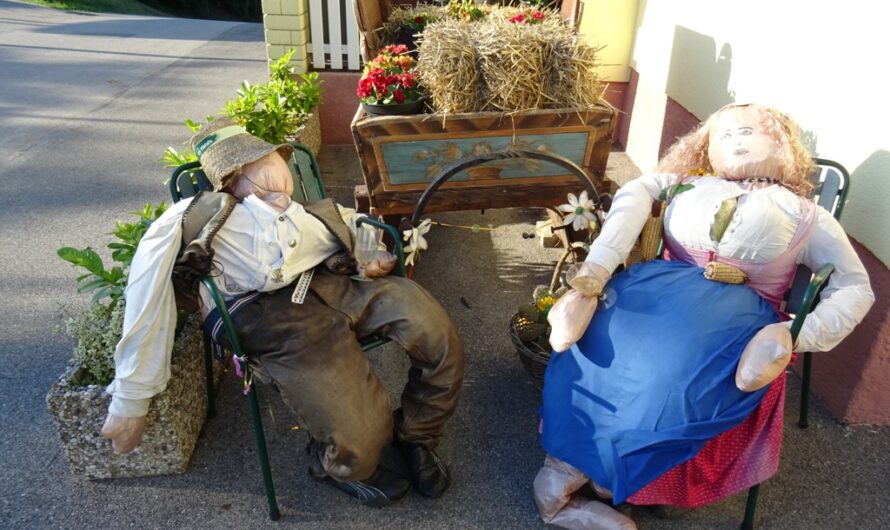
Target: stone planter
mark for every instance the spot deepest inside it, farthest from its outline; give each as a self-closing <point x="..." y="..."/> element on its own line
<point x="310" y="134"/>
<point x="175" y="418"/>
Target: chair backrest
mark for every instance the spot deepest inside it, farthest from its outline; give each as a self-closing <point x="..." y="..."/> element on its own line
<point x="832" y="183"/>
<point x="188" y="179"/>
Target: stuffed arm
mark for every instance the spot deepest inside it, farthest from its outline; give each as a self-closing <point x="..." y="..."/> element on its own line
<point x="142" y="357"/>
<point x="844" y="303"/>
<point x="571" y="314"/>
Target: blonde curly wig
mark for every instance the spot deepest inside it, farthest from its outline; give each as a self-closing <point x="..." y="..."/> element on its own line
<point x="689" y="155"/>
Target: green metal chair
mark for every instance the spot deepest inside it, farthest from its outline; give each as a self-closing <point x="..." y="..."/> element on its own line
<point x="186" y="181"/>
<point x="832" y="183"/>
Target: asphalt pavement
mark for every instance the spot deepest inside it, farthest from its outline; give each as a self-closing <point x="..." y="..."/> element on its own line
<point x="88" y="103"/>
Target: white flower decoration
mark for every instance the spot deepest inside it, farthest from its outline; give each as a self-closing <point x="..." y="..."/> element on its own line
<point x="579" y="211"/>
<point x="415" y="240"/>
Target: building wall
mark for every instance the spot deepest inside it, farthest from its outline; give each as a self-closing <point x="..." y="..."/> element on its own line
<point x="817" y="62"/>
<point x="813" y="60"/>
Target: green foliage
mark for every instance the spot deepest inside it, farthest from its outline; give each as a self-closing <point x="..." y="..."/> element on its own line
<point x="111" y="283"/>
<point x="97" y="331"/>
<point x="275" y="110"/>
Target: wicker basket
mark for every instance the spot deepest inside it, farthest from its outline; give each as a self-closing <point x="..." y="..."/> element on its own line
<point x="534" y="358"/>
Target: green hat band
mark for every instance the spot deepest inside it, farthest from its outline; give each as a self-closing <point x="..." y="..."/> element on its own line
<point x="218" y="136"/>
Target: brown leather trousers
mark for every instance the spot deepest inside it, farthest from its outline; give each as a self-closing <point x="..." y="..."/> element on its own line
<point x="311" y="354"/>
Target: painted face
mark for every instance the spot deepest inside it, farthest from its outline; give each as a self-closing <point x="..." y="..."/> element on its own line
<point x="740" y="148"/>
<point x="269" y="178"/>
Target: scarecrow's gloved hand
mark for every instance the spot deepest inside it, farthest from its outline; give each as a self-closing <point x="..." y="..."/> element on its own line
<point x="381" y="265"/>
<point x="124" y="433"/>
<point x="571" y="314"/>
<point x="765" y="357"/>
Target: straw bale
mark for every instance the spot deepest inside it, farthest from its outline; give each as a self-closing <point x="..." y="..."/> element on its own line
<point x="447" y="66"/>
<point x="496" y="65"/>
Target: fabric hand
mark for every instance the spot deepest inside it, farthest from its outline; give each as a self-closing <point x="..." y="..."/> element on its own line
<point x="381" y="265"/>
<point x="125" y="433"/>
<point x="765" y="357"/>
<point x="569" y="318"/>
<point x="571" y="314"/>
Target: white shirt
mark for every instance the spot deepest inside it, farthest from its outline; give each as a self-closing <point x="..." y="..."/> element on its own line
<point x="762" y="228"/>
<point x="257" y="249"/>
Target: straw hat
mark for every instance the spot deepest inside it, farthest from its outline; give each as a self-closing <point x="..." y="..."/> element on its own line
<point x="224" y="147"/>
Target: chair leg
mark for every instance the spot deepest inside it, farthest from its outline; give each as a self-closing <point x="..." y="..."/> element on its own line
<point x="274" y="514"/>
<point x="803" y="421"/>
<point x="208" y="369"/>
<point x="750" y="507"/>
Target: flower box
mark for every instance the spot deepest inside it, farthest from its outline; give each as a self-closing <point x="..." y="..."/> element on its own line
<point x="400" y="156"/>
<point x="175" y="418"/>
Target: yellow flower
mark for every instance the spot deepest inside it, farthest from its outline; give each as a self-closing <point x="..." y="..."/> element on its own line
<point x="545" y="302"/>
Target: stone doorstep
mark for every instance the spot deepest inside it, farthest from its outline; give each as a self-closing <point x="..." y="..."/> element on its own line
<point x="175" y="418"/>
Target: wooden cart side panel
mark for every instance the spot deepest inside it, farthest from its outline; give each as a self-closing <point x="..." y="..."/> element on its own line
<point x="486" y="190"/>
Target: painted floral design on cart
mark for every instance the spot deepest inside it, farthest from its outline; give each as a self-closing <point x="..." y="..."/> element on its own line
<point x="438" y="157"/>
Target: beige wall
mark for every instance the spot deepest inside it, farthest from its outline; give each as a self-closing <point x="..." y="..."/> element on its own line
<point x="610" y="23"/>
<point x="822" y="62"/>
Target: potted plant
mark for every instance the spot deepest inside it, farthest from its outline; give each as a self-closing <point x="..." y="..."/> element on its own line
<point x="77" y="400"/>
<point x="389" y="85"/>
<point x="283" y="109"/>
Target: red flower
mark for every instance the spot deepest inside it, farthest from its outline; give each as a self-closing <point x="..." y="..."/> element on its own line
<point x="365" y="88"/>
<point x="388" y="78"/>
<point x="537" y="15"/>
<point x="419" y="19"/>
<point x="517" y="19"/>
<point x="395" y="49"/>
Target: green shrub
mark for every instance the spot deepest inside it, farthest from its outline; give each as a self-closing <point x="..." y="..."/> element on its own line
<point x="275" y="110"/>
<point x="111" y="283"/>
<point x="98" y="329"/>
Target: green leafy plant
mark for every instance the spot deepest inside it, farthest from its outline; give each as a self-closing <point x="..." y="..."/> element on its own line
<point x="97" y="332"/>
<point x="275" y="110"/>
<point x="98" y="329"/>
<point x="468" y="10"/>
<point x="111" y="283"/>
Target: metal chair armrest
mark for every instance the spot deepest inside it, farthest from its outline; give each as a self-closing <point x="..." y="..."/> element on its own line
<point x="234" y="343"/>
<point x="817" y="283"/>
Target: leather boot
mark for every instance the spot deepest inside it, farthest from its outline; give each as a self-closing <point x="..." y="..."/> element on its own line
<point x="430" y="476"/>
<point x="386" y="485"/>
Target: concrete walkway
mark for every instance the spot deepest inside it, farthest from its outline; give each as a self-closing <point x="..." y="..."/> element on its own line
<point x="88" y="104"/>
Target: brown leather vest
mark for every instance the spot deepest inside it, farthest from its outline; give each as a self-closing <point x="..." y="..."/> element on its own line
<point x="203" y="219"/>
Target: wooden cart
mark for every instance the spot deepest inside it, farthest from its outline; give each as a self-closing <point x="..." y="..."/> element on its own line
<point x="401" y="155"/>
